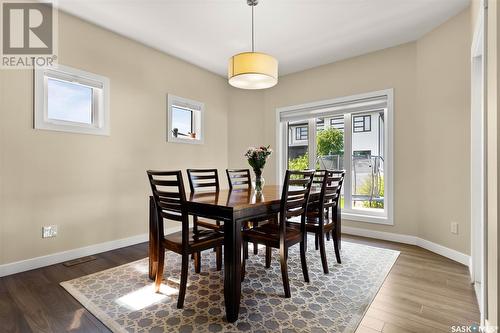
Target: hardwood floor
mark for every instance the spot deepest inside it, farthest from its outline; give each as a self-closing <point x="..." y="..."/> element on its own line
<point x="424" y="292"/>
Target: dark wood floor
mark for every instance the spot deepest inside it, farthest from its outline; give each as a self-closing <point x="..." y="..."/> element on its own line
<point x="423" y="293"/>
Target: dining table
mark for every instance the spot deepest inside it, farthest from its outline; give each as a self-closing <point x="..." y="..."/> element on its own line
<point x="233" y="208"/>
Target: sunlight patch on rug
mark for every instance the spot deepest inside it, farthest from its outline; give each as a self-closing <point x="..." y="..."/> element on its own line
<point x="124" y="300"/>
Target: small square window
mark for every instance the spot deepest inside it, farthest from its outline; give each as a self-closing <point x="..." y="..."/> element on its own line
<point x="70" y="100"/>
<point x="185" y="120"/>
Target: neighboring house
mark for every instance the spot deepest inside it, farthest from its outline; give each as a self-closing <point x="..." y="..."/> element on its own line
<point x="368" y="134"/>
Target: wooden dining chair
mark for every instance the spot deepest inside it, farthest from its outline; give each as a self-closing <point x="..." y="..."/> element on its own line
<point x="204" y="179"/>
<point x="321" y="218"/>
<point x="282" y="235"/>
<point x="240" y="179"/>
<point x="170" y="201"/>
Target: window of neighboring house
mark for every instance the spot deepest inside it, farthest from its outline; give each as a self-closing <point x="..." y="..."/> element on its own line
<point x="185" y="120"/>
<point x="301" y="133"/>
<point x="362" y="123"/>
<point x="338" y="123"/>
<point x="362" y="153"/>
<point x="320" y="125"/>
<point x="71" y="100"/>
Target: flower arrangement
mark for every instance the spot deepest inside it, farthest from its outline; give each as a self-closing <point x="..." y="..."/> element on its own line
<point x="257" y="158"/>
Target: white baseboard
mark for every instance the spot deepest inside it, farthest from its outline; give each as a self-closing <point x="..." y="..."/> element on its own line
<point x="55" y="258"/>
<point x="51" y="259"/>
<point x="457" y="256"/>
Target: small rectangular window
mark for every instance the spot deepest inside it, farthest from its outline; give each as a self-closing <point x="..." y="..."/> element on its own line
<point x="301" y="133"/>
<point x="362" y="123"/>
<point x="320" y="125"/>
<point x="62" y="94"/>
<point x="337" y="123"/>
<point x="185" y="120"/>
<point x="182" y="120"/>
<point x="70" y="100"/>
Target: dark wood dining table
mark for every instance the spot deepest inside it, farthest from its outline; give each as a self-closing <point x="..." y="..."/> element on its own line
<point x="233" y="207"/>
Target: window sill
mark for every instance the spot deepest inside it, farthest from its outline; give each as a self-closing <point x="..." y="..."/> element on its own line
<point x="355" y="216"/>
<point x="187" y="140"/>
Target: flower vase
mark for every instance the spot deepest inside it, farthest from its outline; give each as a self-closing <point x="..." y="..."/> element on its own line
<point x="258" y="183"/>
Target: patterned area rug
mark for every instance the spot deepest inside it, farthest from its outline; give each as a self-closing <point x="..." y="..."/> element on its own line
<point x="123" y="298"/>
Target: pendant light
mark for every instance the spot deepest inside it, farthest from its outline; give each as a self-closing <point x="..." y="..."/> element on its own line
<point x="252" y="70"/>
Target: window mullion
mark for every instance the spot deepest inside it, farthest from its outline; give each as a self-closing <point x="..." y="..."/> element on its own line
<point x="312" y="143"/>
<point x="348" y="128"/>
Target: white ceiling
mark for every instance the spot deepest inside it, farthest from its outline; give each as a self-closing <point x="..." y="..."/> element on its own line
<point x="301" y="34"/>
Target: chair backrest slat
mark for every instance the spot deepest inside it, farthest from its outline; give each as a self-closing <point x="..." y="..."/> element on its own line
<point x="203" y="178"/>
<point x="238" y="178"/>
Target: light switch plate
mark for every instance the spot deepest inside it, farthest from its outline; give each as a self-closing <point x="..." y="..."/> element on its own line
<point x="49" y="231"/>
<point x="454" y="228"/>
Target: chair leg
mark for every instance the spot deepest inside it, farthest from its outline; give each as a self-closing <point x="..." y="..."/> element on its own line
<point x="336" y="247"/>
<point x="316" y="242"/>
<point x="255" y="248"/>
<point x="323" y="254"/>
<point x="197" y="262"/>
<point x="218" y="257"/>
<point x="328" y="236"/>
<point x="243" y="267"/>
<point x="184" y="275"/>
<point x="268" y="256"/>
<point x="245" y="249"/>
<point x="303" y="261"/>
<point x="284" y="274"/>
<point x="159" y="269"/>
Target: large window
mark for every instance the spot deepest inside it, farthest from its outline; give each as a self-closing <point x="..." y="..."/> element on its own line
<point x="352" y="134"/>
<point x="71" y="100"/>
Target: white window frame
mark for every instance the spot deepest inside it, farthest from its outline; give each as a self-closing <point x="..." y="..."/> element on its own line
<point x="198" y="109"/>
<point x="100" y="100"/>
<point x="387" y="217"/>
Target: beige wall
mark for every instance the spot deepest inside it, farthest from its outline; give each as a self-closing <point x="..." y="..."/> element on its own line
<point x="443" y="99"/>
<point x="94" y="187"/>
<point x="431" y="85"/>
<point x="246" y="125"/>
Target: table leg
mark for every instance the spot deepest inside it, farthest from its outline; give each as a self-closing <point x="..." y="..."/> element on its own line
<point x="232" y="269"/>
<point x="152" y="238"/>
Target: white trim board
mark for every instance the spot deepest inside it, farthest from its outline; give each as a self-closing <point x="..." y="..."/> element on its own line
<point x="454" y="255"/>
<point x="55" y="258"/>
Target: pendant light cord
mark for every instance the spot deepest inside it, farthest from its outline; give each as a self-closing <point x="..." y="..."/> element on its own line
<point x="253" y="42"/>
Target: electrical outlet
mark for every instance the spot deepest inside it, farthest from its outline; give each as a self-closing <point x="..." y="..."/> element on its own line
<point x="454" y="228"/>
<point x="49" y="231"/>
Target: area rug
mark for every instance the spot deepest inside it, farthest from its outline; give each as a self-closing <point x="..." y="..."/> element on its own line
<point x="123" y="298"/>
